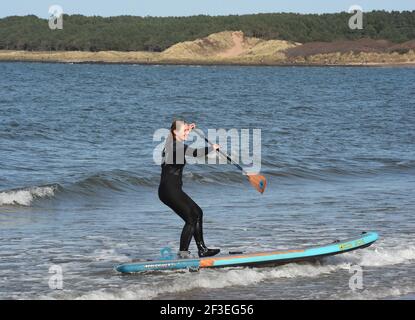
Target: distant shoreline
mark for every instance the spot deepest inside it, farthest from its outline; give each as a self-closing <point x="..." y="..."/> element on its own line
<point x="235" y="48"/>
<point x="63" y="58"/>
<point x="286" y="65"/>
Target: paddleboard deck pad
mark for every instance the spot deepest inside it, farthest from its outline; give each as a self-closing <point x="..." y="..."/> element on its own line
<point x="255" y="259"/>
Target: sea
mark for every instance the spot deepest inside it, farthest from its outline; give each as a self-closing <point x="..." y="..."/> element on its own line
<point x="79" y="179"/>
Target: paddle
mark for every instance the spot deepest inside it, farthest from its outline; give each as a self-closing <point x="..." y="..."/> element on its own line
<point x="257" y="181"/>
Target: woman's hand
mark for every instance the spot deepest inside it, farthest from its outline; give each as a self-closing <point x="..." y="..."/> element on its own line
<point x="190" y="126"/>
<point x="215" y="147"/>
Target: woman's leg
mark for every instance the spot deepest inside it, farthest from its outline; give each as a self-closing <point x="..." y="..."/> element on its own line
<point x="198" y="230"/>
<point x="192" y="214"/>
<point x="182" y="205"/>
<point x="187" y="233"/>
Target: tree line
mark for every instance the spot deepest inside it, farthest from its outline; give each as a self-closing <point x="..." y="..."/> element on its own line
<point x="133" y="33"/>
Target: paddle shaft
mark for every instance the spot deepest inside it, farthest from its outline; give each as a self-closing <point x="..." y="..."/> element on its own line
<point x="222" y="153"/>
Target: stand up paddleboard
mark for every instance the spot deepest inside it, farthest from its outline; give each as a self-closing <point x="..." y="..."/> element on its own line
<point x="259" y="259"/>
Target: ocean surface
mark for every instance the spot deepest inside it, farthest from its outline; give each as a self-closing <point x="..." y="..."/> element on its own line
<point x="78" y="183"/>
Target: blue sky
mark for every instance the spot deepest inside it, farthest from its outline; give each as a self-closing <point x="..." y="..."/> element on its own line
<point x="192" y="7"/>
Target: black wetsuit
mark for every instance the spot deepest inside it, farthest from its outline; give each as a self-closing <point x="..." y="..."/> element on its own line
<point x="171" y="193"/>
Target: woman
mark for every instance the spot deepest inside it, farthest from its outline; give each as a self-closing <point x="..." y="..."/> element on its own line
<point x="170" y="189"/>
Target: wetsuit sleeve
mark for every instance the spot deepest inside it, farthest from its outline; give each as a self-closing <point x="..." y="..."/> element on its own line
<point x="199" y="152"/>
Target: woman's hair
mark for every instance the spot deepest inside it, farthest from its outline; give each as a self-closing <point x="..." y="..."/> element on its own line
<point x="174" y="127"/>
<point x="168" y="146"/>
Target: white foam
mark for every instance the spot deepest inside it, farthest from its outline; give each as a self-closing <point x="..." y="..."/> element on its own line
<point x="170" y="282"/>
<point x="213" y="279"/>
<point x="216" y="279"/>
<point x="109" y="255"/>
<point x="380" y="256"/>
<point x="24" y="197"/>
<point x="382" y="293"/>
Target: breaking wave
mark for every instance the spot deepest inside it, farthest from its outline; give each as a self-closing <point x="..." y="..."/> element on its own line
<point x="122" y="180"/>
<point x="25" y="196"/>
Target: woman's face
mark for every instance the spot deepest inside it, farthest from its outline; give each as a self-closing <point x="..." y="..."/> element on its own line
<point x="181" y="131"/>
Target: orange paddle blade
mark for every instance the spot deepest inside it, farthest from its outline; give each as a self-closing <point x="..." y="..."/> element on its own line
<point x="259" y="182"/>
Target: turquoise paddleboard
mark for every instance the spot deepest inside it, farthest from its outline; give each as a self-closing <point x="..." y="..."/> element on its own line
<point x="254" y="259"/>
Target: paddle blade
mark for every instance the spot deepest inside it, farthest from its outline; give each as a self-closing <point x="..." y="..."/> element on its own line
<point x="258" y="182"/>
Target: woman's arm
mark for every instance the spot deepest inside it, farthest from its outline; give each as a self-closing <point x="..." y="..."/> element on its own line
<point x="198" y="152"/>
